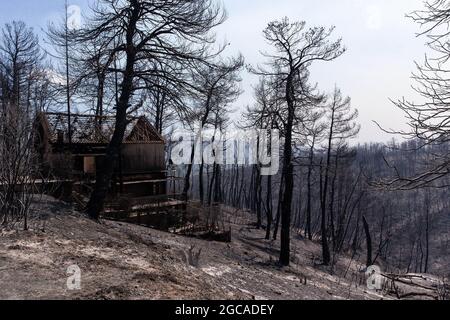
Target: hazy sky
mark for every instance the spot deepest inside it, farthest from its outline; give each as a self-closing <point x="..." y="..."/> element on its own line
<point x="381" y="44"/>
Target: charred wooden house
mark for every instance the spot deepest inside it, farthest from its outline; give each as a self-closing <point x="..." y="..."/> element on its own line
<point x="140" y="179"/>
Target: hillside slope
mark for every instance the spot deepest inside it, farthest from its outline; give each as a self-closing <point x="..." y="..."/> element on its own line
<point x="123" y="261"/>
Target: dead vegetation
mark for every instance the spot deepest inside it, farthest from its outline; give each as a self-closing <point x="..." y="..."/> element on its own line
<point x="206" y="222"/>
<point x="125" y="261"/>
<point x="416" y="286"/>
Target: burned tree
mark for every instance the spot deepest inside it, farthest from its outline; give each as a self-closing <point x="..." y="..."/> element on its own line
<point x="341" y="127"/>
<point x="61" y="37"/>
<point x="159" y="105"/>
<point x="20" y="59"/>
<point x="296" y="49"/>
<point x="146" y="37"/>
<point x="315" y="131"/>
<point x="216" y="87"/>
<point x="429" y="121"/>
<point x="261" y="116"/>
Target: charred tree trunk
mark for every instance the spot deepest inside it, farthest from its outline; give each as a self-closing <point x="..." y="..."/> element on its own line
<point x="323" y="225"/>
<point x="211" y="184"/>
<point x="325" y="248"/>
<point x="217" y="189"/>
<point x="160" y="109"/>
<point x="309" y="195"/>
<point x="104" y="175"/>
<point x="269" y="213"/>
<point x="69" y="121"/>
<point x="288" y="171"/>
<point x="242" y="188"/>
<point x="258" y="196"/>
<point x="278" y="219"/>
<point x="368" y="242"/>
<point x="332" y="199"/>
<point x="259" y="199"/>
<point x="187" y="177"/>
<point x="427" y="233"/>
<point x="200" y="182"/>
<point x="100" y="97"/>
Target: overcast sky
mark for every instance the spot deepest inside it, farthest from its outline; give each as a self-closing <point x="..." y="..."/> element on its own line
<point x="381" y="43"/>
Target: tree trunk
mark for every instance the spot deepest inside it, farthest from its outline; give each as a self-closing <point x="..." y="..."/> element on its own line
<point x="200" y="182"/>
<point x="332" y="198"/>
<point x="278" y="219"/>
<point x="427" y="234"/>
<point x="323" y="225"/>
<point x="211" y="184"/>
<point x="368" y="242"/>
<point x="309" y="187"/>
<point x="187" y="177"/>
<point x="258" y="198"/>
<point x="269" y="213"/>
<point x="286" y="205"/>
<point x="325" y="249"/>
<point x="217" y="189"/>
<point x="106" y="169"/>
<point x="69" y="121"/>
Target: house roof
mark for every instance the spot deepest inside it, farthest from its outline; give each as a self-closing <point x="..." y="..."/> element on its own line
<point x="91" y="129"/>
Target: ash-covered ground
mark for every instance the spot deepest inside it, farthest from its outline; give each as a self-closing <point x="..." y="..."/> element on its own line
<point x="124" y="261"/>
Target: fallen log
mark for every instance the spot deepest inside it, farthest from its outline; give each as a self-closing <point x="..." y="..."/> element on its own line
<point x="409" y="286"/>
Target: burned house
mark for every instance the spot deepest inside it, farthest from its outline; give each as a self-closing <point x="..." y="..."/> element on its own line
<point x="142" y="157"/>
<point x="140" y="179"/>
<point x="141" y="191"/>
